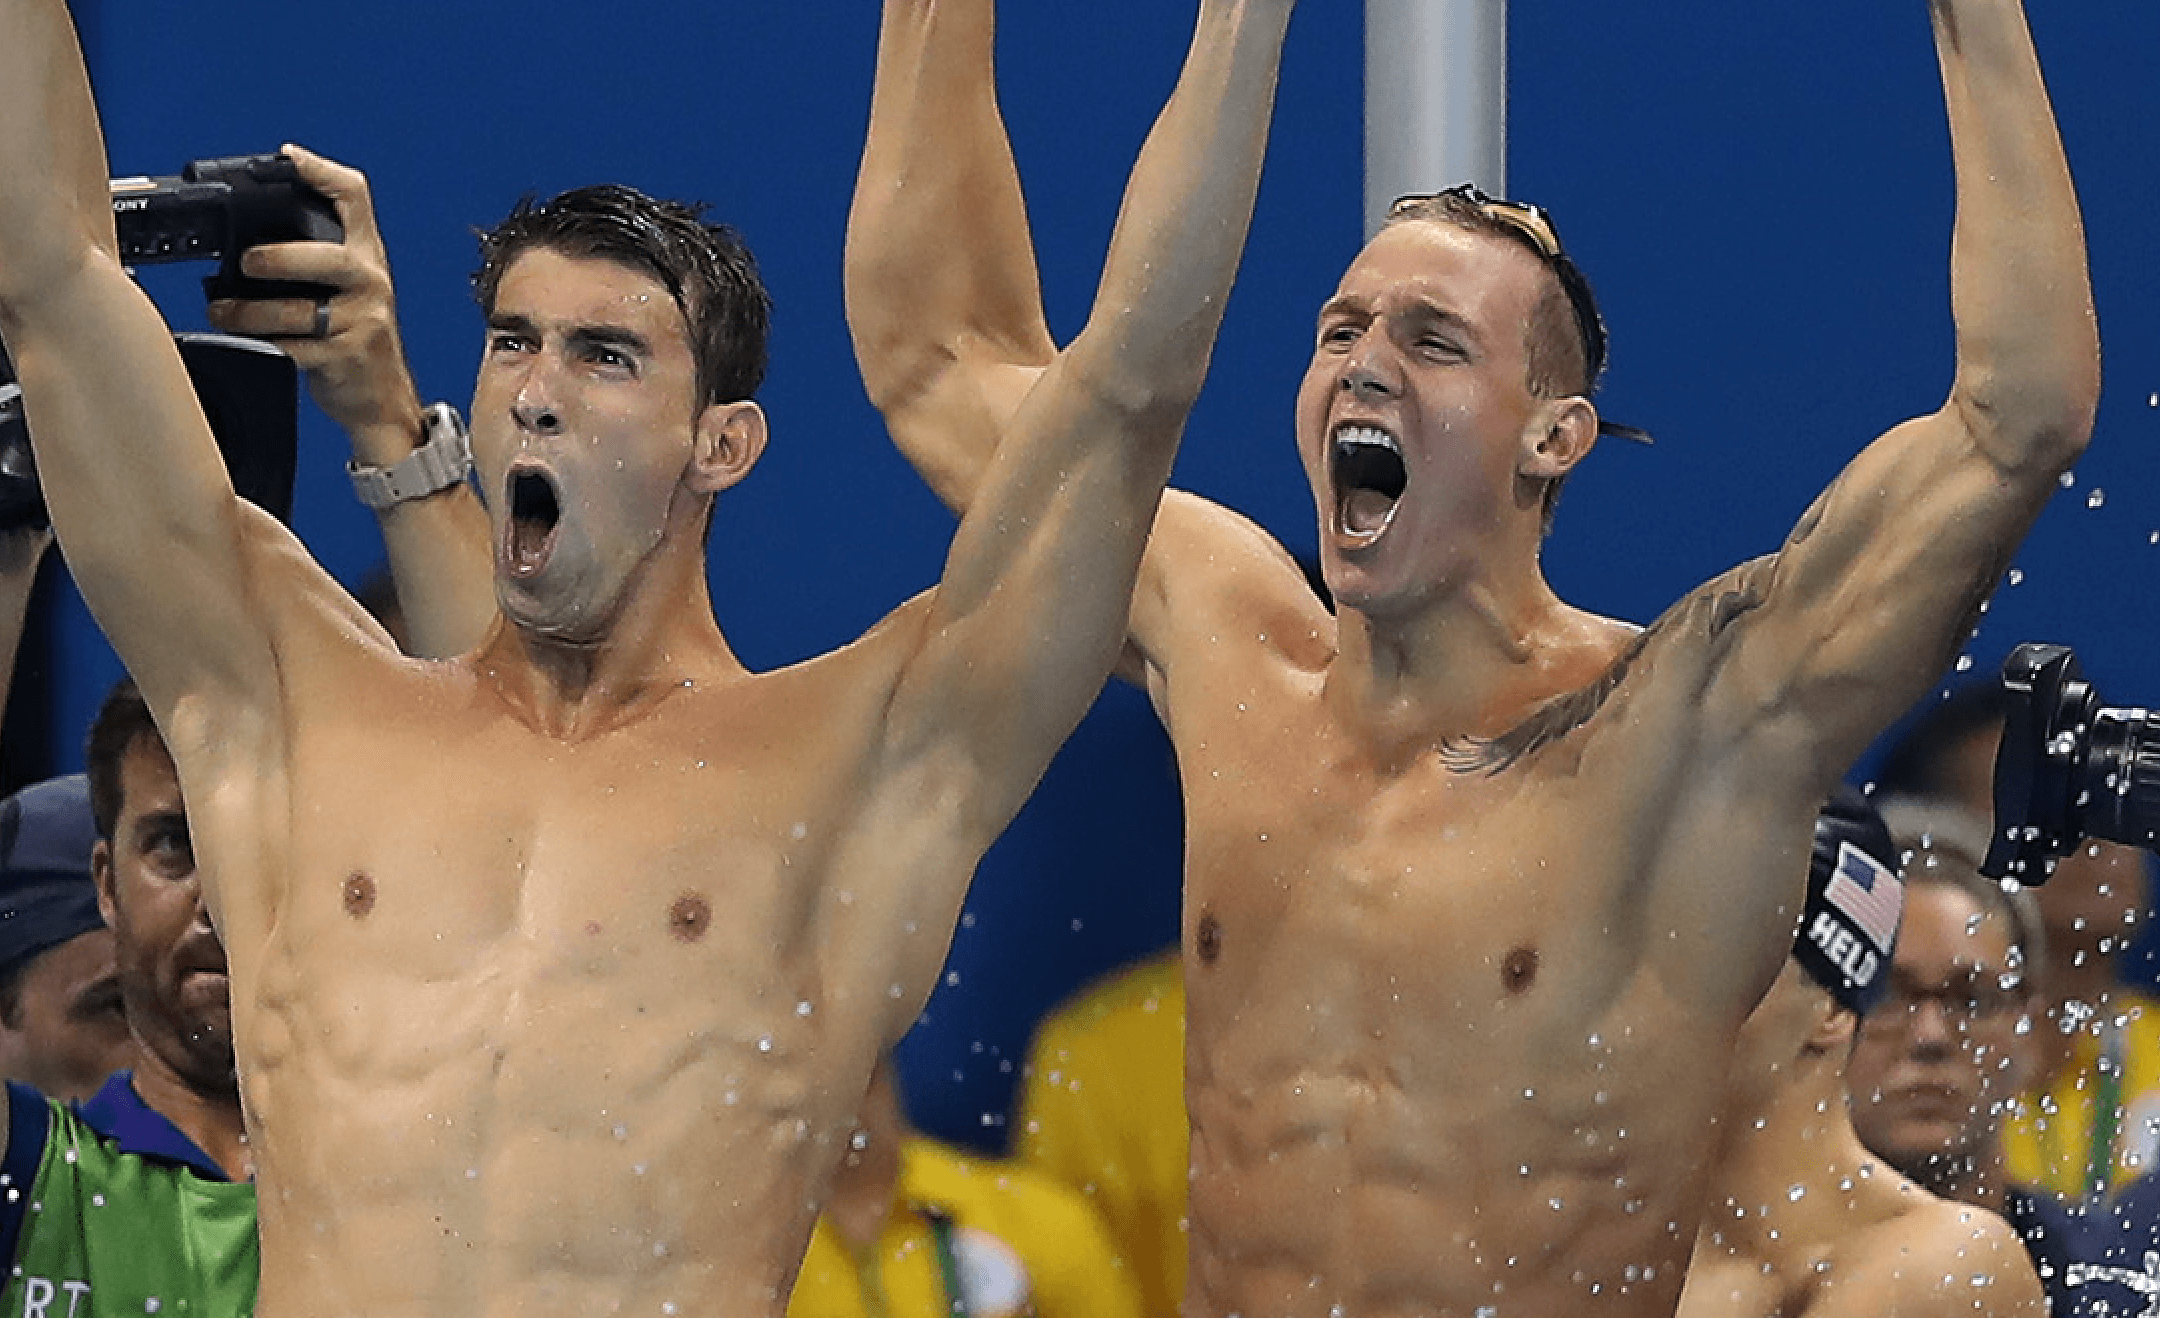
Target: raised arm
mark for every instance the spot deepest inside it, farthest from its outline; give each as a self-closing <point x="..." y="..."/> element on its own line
<point x="139" y="497"/>
<point x="1032" y="607"/>
<point x="438" y="542"/>
<point x="942" y="296"/>
<point x="947" y="316"/>
<point x="1872" y="594"/>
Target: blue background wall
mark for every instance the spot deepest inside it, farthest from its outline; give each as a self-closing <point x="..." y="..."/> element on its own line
<point x="1761" y="192"/>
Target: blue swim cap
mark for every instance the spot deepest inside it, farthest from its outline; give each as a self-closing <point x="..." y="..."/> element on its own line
<point x="1848" y="924"/>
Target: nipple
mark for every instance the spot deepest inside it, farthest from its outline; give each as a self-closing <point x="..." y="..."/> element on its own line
<point x="689" y="917"/>
<point x="1519" y="970"/>
<point x="359" y="895"/>
<point x="1207" y="939"/>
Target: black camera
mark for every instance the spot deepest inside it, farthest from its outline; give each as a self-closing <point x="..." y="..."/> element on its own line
<point x="2068" y="768"/>
<point x="217" y="209"/>
<point x="250" y="393"/>
<point x="20" y="503"/>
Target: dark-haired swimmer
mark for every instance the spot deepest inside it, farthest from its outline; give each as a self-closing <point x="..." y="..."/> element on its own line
<point x="559" y="969"/>
<point x="1480" y="886"/>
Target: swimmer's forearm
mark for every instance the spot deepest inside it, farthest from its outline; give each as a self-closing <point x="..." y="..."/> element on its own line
<point x="1182" y="228"/>
<point x="441" y="558"/>
<point x="2028" y="351"/>
<point x="55" y="206"/>
<point x="940" y="271"/>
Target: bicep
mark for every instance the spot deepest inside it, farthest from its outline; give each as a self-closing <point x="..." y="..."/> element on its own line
<point x="1870" y="596"/>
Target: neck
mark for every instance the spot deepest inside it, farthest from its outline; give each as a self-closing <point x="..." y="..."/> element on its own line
<point x="663" y="639"/>
<point x="1791" y="1168"/>
<point x="206" y="1114"/>
<point x="1472" y="662"/>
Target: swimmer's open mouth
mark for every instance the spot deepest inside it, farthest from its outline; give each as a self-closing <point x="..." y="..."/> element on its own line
<point x="1369" y="478"/>
<point x="535" y="511"/>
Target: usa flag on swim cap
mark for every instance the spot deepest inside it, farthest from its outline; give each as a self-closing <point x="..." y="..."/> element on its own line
<point x="1868" y="892"/>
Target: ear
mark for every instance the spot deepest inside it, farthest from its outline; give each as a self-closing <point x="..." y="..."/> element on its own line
<point x="1834" y="1029"/>
<point x="730" y="437"/>
<point x="1562" y="436"/>
<point x="101" y="874"/>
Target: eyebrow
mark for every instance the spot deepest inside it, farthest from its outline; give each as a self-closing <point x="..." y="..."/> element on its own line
<point x="584" y="336"/>
<point x="156" y="819"/>
<point x="1424" y="311"/>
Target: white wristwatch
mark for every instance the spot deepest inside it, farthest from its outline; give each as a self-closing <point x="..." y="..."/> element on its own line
<point x="441" y="461"/>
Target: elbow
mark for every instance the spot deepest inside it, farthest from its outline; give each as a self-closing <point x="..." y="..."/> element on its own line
<point x="43" y="273"/>
<point x="1146" y="380"/>
<point x="2032" y="420"/>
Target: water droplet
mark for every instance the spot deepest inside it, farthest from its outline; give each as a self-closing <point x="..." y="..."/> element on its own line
<point x="2067" y="479"/>
<point x="1796" y="1193"/>
<point x="1964" y="663"/>
<point x="622" y="1132"/>
<point x="2096" y="498"/>
<point x="804" y="1008"/>
<point x="764" y="1043"/>
<point x="2016" y="576"/>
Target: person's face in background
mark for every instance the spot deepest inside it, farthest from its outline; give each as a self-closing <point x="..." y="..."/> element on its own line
<point x="171" y="965"/>
<point x="1933" y="1066"/>
<point x="64" y="1031"/>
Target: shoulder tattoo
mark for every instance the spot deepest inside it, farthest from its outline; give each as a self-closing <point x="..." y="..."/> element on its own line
<point x="1713" y="609"/>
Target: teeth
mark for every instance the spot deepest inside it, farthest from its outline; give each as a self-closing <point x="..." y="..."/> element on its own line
<point x="1352" y="436"/>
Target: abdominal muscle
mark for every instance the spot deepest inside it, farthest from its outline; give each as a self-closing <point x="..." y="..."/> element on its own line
<point x="543" y="1165"/>
<point x="1353" y="1173"/>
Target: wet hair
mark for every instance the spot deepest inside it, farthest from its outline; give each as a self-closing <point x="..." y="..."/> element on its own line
<point x="705" y="267"/>
<point x="1557" y="348"/>
<point x="121" y="721"/>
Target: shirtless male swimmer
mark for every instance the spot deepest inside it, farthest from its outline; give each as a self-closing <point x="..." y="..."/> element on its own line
<point x="559" y="969"/>
<point x="1479" y="886"/>
<point x="1803" y="1221"/>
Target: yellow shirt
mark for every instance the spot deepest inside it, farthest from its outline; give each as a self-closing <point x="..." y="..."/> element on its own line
<point x="1103" y="1109"/>
<point x="2048" y="1141"/>
<point x="1020" y="1243"/>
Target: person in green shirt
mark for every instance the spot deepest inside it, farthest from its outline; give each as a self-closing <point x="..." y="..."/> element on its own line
<point x="138" y="1200"/>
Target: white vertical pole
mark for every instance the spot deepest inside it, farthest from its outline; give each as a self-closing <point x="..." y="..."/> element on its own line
<point x="1435" y="98"/>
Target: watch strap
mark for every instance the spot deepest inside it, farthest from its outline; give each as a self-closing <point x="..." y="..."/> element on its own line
<point x="442" y="460"/>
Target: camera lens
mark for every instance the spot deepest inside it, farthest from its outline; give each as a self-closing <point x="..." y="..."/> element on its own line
<point x="2121" y="782"/>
